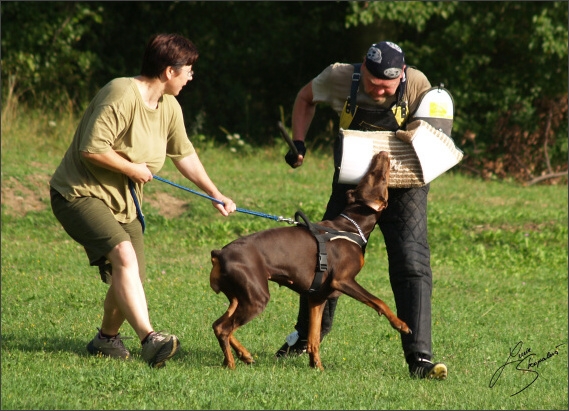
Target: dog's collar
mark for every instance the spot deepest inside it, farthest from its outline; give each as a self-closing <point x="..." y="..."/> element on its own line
<point x="357" y="227"/>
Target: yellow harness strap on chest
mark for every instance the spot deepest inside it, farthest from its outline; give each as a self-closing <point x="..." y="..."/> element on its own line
<point x="346" y="117"/>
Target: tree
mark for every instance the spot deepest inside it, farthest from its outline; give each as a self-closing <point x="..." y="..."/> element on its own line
<point x="504" y="62"/>
<point x="506" y="66"/>
<point x="40" y="60"/>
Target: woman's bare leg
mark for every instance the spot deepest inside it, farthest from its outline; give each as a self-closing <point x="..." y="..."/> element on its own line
<point x="125" y="299"/>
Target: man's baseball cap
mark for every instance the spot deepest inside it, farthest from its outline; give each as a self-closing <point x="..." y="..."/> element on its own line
<point x="385" y="60"/>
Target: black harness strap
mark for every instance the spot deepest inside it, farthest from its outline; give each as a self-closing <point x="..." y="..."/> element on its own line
<point x="354" y="90"/>
<point x="322" y="264"/>
<point x="330" y="234"/>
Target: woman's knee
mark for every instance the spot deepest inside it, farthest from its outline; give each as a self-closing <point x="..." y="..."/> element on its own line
<point x="123" y="255"/>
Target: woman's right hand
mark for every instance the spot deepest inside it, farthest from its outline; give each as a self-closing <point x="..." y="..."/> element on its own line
<point x="140" y="173"/>
<point x="111" y="160"/>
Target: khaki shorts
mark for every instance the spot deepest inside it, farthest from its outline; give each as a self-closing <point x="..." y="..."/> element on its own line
<point x="91" y="223"/>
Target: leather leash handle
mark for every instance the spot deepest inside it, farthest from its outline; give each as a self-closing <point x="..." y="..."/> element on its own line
<point x="287" y="138"/>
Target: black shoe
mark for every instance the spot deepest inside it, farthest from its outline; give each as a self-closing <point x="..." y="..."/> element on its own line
<point x="424" y="368"/>
<point x="294" y="346"/>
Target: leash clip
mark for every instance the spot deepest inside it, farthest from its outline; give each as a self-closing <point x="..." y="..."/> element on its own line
<point x="287" y="220"/>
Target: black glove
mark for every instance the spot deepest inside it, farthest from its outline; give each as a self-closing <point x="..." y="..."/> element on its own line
<point x="292" y="158"/>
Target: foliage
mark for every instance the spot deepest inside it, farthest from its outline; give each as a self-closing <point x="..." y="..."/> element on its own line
<point x="504" y="62"/>
<point x="252" y="54"/>
<point x="40" y="58"/>
<point x="506" y="66"/>
<point x="413" y="13"/>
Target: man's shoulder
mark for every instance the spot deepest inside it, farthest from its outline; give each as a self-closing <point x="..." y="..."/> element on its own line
<point x="342" y="66"/>
<point x="415" y="74"/>
<point x="334" y="74"/>
<point x="338" y="69"/>
<point x="417" y="81"/>
<point x="332" y="85"/>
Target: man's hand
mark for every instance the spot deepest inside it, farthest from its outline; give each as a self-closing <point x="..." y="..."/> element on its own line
<point x="296" y="160"/>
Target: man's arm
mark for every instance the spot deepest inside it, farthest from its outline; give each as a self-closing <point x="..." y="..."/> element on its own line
<point x="302" y="115"/>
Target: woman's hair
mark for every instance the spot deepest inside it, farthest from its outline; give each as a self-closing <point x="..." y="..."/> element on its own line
<point x="163" y="50"/>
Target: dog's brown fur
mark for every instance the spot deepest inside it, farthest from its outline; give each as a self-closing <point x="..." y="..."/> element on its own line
<point x="288" y="256"/>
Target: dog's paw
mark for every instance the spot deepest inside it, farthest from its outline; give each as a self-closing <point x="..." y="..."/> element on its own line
<point x="401" y="326"/>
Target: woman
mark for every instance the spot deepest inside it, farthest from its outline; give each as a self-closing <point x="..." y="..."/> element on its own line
<point x="123" y="139"/>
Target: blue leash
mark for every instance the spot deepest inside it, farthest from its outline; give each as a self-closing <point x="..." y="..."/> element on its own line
<point x="241" y="210"/>
<point x="139" y="214"/>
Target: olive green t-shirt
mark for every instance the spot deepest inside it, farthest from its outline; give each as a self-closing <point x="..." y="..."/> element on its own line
<point x="117" y="119"/>
<point x="332" y="86"/>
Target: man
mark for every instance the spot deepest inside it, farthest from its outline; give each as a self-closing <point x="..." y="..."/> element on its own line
<point x="380" y="94"/>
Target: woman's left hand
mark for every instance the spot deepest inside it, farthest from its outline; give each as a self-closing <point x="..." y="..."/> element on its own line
<point x="227" y="207"/>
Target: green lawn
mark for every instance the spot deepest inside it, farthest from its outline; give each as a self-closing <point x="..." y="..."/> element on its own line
<point x="499" y="259"/>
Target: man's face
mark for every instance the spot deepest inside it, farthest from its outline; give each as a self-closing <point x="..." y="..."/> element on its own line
<point x="378" y="88"/>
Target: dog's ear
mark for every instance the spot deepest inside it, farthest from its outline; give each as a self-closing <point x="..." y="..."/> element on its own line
<point x="350" y="198"/>
<point x="377" y="205"/>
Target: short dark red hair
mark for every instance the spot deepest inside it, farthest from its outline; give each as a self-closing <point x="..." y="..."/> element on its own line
<point x="163" y="50"/>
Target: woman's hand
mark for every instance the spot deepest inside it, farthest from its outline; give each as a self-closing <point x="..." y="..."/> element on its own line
<point x="111" y="160"/>
<point x="227" y="207"/>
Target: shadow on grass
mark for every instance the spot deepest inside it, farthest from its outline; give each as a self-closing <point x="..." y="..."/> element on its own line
<point x="186" y="356"/>
<point x="13" y="342"/>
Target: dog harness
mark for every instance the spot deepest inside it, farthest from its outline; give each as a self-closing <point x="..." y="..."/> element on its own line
<point x="322" y="238"/>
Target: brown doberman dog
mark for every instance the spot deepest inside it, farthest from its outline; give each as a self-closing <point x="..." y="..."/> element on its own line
<point x="289" y="256"/>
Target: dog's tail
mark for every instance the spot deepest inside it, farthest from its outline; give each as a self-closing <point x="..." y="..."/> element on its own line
<point x="215" y="273"/>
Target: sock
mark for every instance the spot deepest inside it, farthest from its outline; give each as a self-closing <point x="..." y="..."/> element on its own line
<point x="103" y="335"/>
<point x="146" y="338"/>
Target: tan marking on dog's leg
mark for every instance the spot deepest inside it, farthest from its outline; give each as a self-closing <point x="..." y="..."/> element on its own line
<point x="351" y="288"/>
<point x="224" y="337"/>
<point x="313" y="343"/>
<point x="242" y="353"/>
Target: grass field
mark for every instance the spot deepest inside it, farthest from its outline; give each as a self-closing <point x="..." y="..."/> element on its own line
<point x="499" y="259"/>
